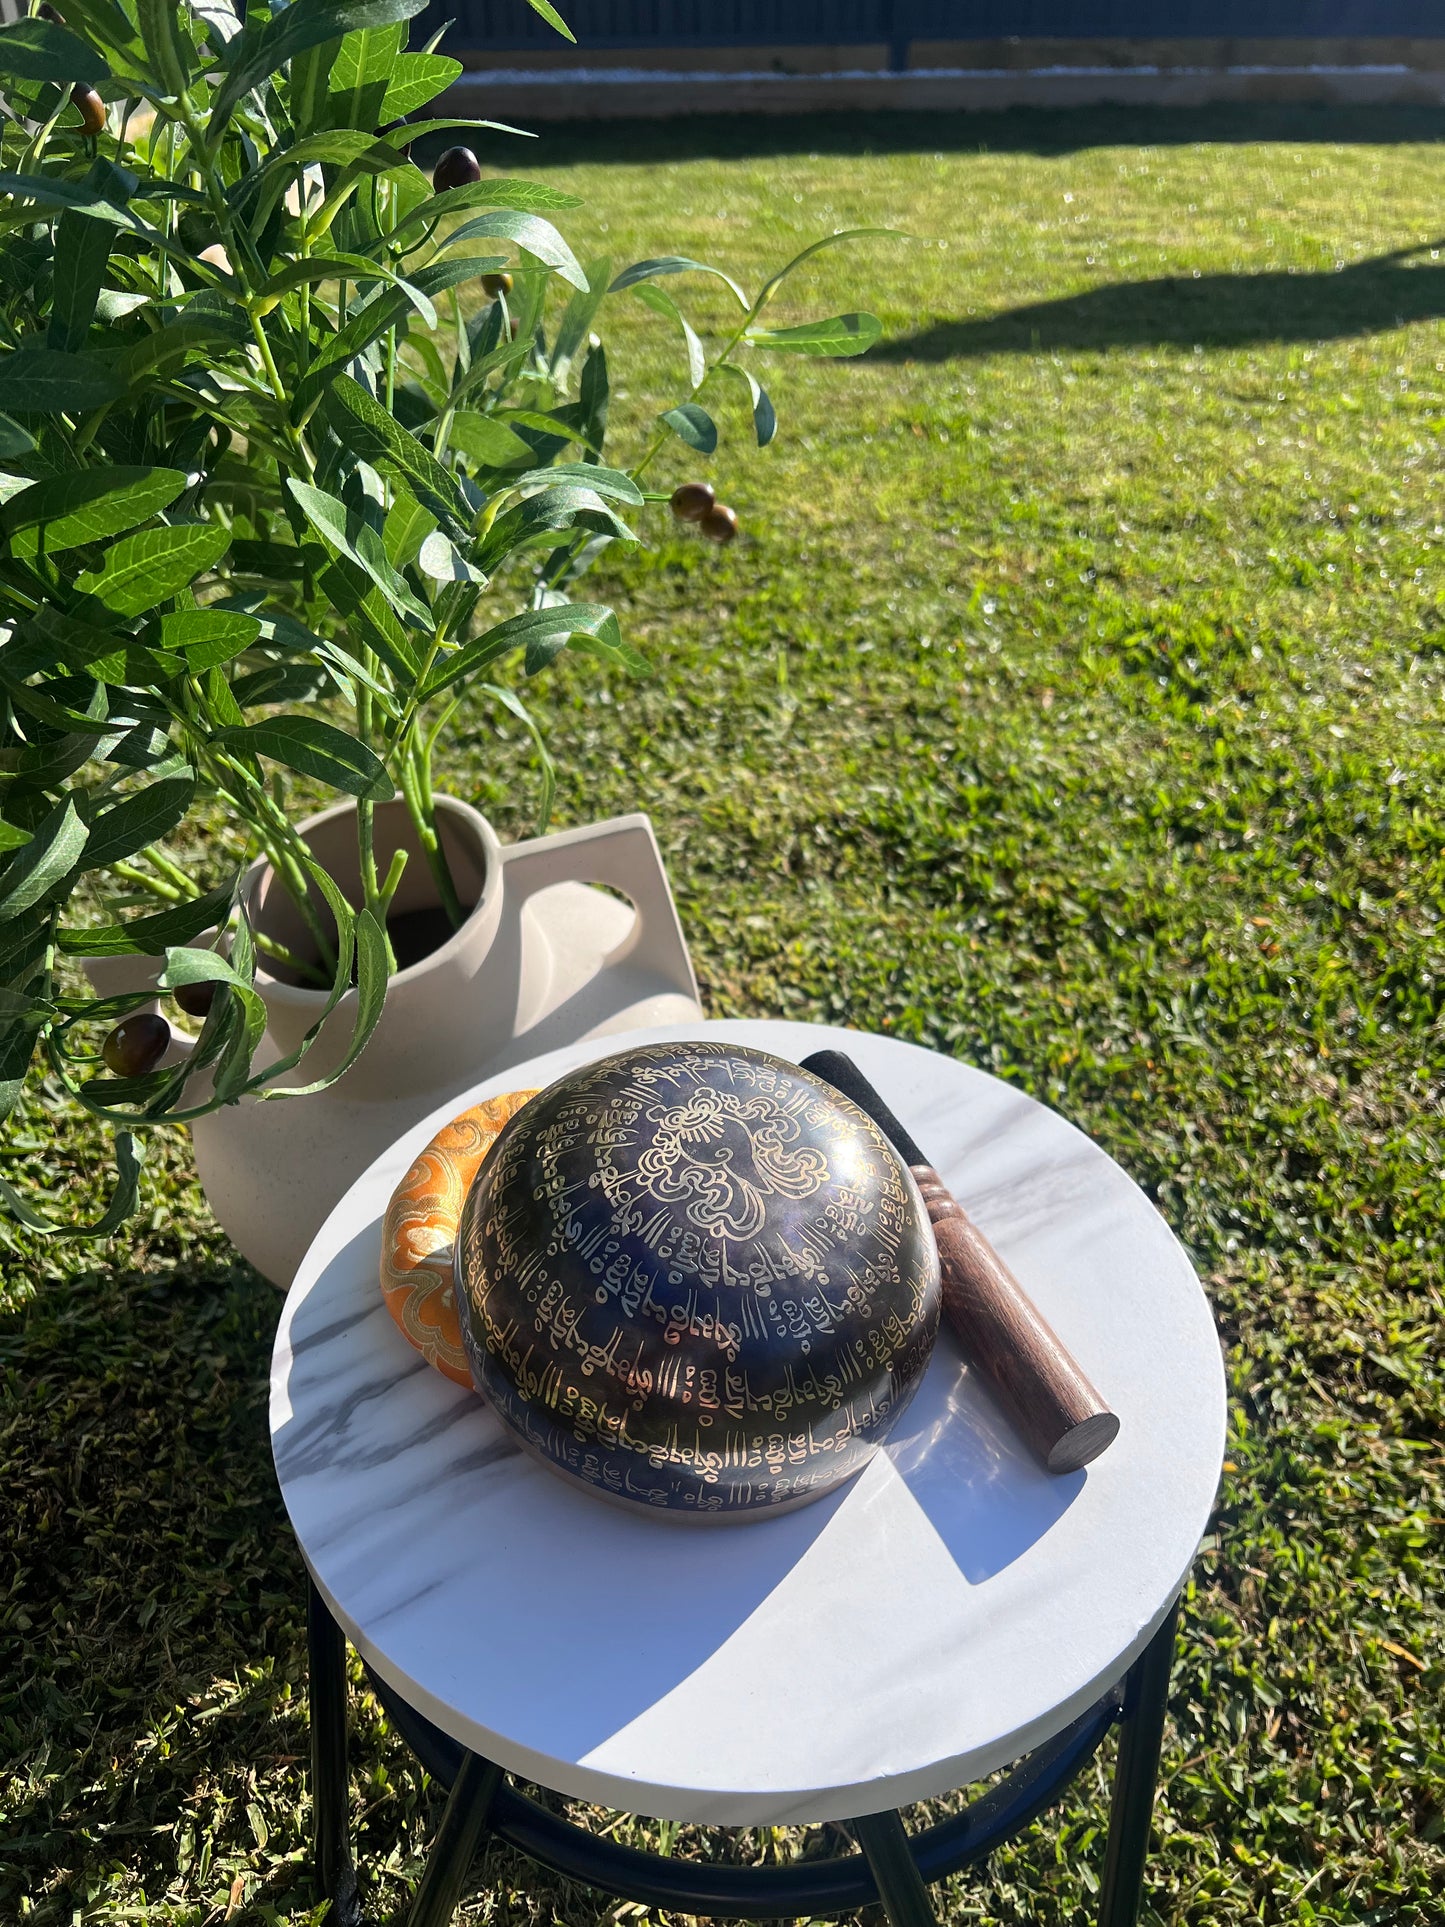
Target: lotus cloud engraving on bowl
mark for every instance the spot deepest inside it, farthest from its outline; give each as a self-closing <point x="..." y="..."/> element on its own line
<point x="696" y="1279"/>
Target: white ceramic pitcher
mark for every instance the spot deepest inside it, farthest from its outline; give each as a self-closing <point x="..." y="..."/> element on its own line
<point x="542" y="959"/>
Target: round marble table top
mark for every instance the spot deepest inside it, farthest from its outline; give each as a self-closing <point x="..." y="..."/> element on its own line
<point x="933" y="1620"/>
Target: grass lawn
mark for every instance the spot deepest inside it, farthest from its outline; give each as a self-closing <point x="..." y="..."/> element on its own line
<point x="1072" y="704"/>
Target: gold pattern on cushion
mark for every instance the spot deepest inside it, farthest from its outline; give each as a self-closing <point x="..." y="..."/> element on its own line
<point x="420" y="1228"/>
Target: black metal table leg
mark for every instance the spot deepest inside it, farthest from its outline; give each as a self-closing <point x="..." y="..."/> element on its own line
<point x="326" y="1653"/>
<point x="463" y="1825"/>
<point x="1141" y="1735"/>
<point x="901" y="1887"/>
<point x="890" y="1866"/>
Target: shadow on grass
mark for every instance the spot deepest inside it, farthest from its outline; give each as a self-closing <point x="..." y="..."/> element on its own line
<point x="1214" y="310"/>
<point x="155" y="1599"/>
<point x="1019" y="130"/>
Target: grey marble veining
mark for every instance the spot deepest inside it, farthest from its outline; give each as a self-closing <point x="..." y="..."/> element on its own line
<point x="924" y="1625"/>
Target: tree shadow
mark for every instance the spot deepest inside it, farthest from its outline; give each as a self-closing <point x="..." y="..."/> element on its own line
<point x="156" y="1595"/>
<point x="1044" y="131"/>
<point x="1212" y="310"/>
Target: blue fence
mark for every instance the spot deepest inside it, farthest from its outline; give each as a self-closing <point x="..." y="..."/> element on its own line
<point x="510" y="25"/>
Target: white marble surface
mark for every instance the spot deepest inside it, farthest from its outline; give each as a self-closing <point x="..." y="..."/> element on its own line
<point x="932" y="1621"/>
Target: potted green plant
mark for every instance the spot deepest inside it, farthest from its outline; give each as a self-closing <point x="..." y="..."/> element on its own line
<point x="299" y="448"/>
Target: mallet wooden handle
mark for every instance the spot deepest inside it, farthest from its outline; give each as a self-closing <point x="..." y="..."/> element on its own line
<point x="999" y="1327"/>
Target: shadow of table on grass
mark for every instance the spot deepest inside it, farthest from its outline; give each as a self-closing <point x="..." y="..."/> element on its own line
<point x="1212" y="310"/>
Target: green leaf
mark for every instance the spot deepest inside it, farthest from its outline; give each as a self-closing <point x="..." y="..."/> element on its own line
<point x="674" y="264"/>
<point x="541" y="632"/>
<point x="82" y="249"/>
<point x="612" y="482"/>
<point x="258" y="52"/>
<point x="11" y="838"/>
<point x="308" y="89"/>
<point x="187" y="966"/>
<point x="533" y="236"/>
<point x="438" y="559"/>
<point x="129" y="1162"/>
<point x="553" y="19"/>
<point x="316" y="749"/>
<point x="22" y="1018"/>
<point x="457" y="123"/>
<point x="342" y="266"/>
<point x="407" y="526"/>
<point x="417" y="79"/>
<point x="841" y="334"/>
<point x="366" y="428"/>
<point x="376" y="620"/>
<point x="42" y="50"/>
<point x="50" y="855"/>
<point x="87" y="505"/>
<point x="578" y="316"/>
<point x="23" y="944"/>
<point x="662" y="303"/>
<point x="47" y="191"/>
<point x="148" y="568"/>
<point x="43" y="381"/>
<point x="765" y="421"/>
<point x="173" y="343"/>
<point x="523" y="197"/>
<point x="137" y="820"/>
<point x="171" y="54"/>
<point x="693" y="425"/>
<point x="58" y="703"/>
<point x="208" y="637"/>
<point x="372" y="964"/>
<point x="770" y="288"/>
<point x="151" y="936"/>
<point x="14" y="440"/>
<point x="486" y="441"/>
<point x="364" y="62"/>
<point x="354" y="538"/>
<point x="547" y="513"/>
<point x="357" y="149"/>
<point x="560" y="424"/>
<point x="389" y="307"/>
<point x="593" y="392"/>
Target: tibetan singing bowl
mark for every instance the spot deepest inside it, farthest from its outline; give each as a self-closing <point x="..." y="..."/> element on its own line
<point x="695" y="1278"/>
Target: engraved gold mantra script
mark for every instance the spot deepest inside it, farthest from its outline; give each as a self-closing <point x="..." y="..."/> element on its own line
<point x="696" y="1278"/>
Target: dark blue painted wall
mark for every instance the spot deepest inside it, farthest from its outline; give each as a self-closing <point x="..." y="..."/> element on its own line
<point x="511" y="24"/>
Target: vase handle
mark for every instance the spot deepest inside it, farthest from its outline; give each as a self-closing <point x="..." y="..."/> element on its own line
<point x="621" y="852"/>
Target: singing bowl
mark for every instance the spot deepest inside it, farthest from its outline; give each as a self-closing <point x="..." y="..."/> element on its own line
<point x="696" y="1279"/>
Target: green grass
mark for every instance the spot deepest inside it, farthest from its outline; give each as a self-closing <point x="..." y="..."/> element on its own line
<point x="1072" y="704"/>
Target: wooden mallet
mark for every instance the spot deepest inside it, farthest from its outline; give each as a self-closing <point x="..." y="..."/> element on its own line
<point x="999" y="1327"/>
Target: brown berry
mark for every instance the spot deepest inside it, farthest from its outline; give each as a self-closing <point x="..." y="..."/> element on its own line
<point x="720" y="524"/>
<point x="458" y="167"/>
<point x="195" y="999"/>
<point x="137" y="1045"/>
<point x="495" y="284"/>
<point x="691" y="502"/>
<point x="91" y="108"/>
<point x="47" y="12"/>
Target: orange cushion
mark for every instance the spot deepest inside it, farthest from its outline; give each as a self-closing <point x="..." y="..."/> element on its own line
<point x="421" y="1225"/>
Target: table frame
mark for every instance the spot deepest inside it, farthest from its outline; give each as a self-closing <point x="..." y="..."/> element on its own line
<point x="891" y="1868"/>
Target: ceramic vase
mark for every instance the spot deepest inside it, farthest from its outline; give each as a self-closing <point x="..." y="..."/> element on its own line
<point x="544" y="957"/>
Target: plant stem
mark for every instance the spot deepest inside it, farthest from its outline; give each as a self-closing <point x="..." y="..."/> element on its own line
<point x="155" y="885"/>
<point x="283" y="848"/>
<point x="160" y="861"/>
<point x="416" y="788"/>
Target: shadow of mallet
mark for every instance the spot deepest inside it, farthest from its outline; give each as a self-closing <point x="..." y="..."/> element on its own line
<point x="1001" y="1330"/>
